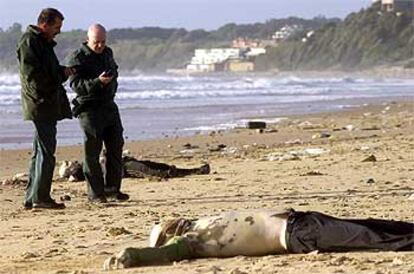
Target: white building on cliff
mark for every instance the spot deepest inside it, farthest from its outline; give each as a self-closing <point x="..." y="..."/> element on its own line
<point x="406" y="6"/>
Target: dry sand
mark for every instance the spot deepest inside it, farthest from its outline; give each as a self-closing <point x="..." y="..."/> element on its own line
<point x="256" y="170"/>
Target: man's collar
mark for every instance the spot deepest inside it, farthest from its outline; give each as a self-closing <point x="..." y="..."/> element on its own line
<point x="36" y="31"/>
<point x="87" y="50"/>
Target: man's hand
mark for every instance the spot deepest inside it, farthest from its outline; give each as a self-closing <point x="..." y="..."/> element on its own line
<point x="104" y="78"/>
<point x="69" y="71"/>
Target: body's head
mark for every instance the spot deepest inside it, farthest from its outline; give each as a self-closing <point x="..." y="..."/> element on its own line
<point x="96" y="39"/>
<point x="50" y="22"/>
<point x="163" y="232"/>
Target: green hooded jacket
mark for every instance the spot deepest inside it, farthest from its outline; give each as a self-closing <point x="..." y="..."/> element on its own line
<point x="41" y="76"/>
<point x="91" y="93"/>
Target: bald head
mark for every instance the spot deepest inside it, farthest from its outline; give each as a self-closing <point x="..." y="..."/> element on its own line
<point x="96" y="39"/>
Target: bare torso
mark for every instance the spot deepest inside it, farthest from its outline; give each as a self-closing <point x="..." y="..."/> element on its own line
<point x="250" y="233"/>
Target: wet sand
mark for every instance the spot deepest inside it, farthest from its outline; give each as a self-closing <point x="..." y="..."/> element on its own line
<point x="255" y="170"/>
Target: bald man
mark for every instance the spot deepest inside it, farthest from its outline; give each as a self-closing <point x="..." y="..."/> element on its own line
<point x="95" y="84"/>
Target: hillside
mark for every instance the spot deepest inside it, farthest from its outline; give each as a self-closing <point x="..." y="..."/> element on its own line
<point x="363" y="40"/>
<point x="154" y="48"/>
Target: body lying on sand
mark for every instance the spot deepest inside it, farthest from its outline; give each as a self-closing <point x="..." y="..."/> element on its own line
<point x="264" y="232"/>
<point x="133" y="168"/>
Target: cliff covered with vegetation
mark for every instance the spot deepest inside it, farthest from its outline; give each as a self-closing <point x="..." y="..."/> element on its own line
<point x="363" y="40"/>
<point x="154" y="48"/>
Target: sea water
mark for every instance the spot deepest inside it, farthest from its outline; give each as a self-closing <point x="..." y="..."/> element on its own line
<point x="157" y="106"/>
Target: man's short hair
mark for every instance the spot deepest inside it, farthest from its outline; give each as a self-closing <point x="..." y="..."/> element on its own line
<point x="49" y="16"/>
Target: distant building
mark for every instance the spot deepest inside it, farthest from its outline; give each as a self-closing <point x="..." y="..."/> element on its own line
<point x="240" y="66"/>
<point x="225" y="59"/>
<point x="245" y="43"/>
<point x="309" y="35"/>
<point x="215" y="55"/>
<point x="285" y="32"/>
<point x="253" y="52"/>
<point x="406" y="6"/>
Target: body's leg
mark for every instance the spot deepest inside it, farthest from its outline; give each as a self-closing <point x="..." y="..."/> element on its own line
<point x="178" y="250"/>
<point x="42" y="163"/>
<point x="308" y="231"/>
<point x="114" y="142"/>
<point x="92" y="148"/>
<point x="139" y="168"/>
<point x="179" y="172"/>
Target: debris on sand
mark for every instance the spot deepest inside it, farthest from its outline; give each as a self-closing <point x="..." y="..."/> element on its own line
<point x="117" y="231"/>
<point x="20" y="179"/>
<point x="321" y="135"/>
<point x="190" y="146"/>
<point x="370" y="158"/>
<point x="256" y="125"/>
<point x="313" y="173"/>
<point x="281" y="157"/>
<point x="349" y="127"/>
<point x="312" y="152"/>
<point x="294" y="142"/>
<point x="295" y="155"/>
<point x="370" y="181"/>
<point x="374" y="127"/>
<point x="237" y="271"/>
<point x="217" y="148"/>
<point x="29" y="255"/>
<point x="71" y="170"/>
<point x="306" y="125"/>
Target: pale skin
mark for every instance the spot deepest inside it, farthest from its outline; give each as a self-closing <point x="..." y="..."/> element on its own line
<point x="249" y="233"/>
<point x="96" y="41"/>
<point x="49" y="31"/>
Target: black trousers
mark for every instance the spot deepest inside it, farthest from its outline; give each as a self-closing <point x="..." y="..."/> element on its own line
<point x="309" y="231"/>
<point x="102" y="127"/>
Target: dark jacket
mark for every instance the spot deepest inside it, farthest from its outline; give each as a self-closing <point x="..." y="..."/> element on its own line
<point x="91" y="93"/>
<point x="41" y="76"/>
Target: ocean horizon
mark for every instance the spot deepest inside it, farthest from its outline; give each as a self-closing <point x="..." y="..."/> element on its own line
<point x="161" y="105"/>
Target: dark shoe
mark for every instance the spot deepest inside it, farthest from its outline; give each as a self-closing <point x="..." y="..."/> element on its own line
<point x="118" y="196"/>
<point x="27" y="205"/>
<point x="48" y="205"/>
<point x="98" y="200"/>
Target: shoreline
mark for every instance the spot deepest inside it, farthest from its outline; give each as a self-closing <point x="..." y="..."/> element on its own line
<point x="146" y="148"/>
<point x="198" y="105"/>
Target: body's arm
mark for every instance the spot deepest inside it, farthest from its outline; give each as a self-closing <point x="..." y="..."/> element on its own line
<point x="177" y="250"/>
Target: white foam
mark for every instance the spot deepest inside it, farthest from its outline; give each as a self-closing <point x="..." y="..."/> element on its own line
<point x="236" y="124"/>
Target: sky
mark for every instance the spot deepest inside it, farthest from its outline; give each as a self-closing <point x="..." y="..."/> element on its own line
<point x="188" y="14"/>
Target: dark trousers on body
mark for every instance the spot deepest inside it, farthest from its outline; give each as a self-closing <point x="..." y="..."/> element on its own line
<point x="100" y="128"/>
<point x="42" y="163"/>
<point x="140" y="169"/>
<point x="309" y="231"/>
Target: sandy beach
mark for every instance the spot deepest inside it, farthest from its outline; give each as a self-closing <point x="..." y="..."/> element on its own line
<point x="312" y="162"/>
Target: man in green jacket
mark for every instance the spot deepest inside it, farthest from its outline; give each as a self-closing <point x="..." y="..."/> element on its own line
<point x="44" y="102"/>
<point x="95" y="84"/>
